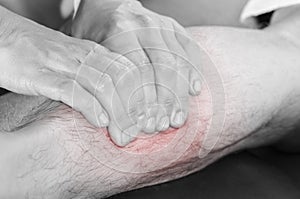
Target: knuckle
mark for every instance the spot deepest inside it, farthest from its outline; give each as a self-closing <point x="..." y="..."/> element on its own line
<point x="63" y="88"/>
<point x="132" y="111"/>
<point x="126" y="62"/>
<point x="146" y="69"/>
<point x="117" y="24"/>
<point x="106" y="79"/>
<point x="134" y="12"/>
<point x="143" y="20"/>
<point x="170" y="20"/>
<point x="105" y="83"/>
<point x="140" y="101"/>
<point x="168" y="102"/>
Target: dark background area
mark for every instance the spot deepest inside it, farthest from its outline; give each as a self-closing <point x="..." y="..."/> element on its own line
<point x="263" y="173"/>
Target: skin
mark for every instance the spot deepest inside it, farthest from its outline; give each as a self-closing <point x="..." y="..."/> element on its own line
<point x="40" y="61"/>
<point x="71" y="159"/>
<point x="157" y="44"/>
<point x="169" y="59"/>
<point x="64" y="76"/>
<point x="73" y="71"/>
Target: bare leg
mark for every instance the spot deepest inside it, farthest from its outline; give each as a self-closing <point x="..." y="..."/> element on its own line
<point x="241" y="106"/>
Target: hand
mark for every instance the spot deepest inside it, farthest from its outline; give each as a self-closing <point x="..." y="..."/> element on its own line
<point x="166" y="55"/>
<point x="40" y="61"/>
<point x="261" y="106"/>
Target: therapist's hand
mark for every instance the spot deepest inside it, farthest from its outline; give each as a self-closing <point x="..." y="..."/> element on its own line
<point x="36" y="60"/>
<point x="165" y="54"/>
<point x="262" y="104"/>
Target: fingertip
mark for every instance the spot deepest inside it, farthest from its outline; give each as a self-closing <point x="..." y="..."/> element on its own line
<point x="178" y="118"/>
<point x="195" y="87"/>
<point x="123" y="137"/>
<point x="141" y="120"/>
<point x="163" y="123"/>
<point x="131" y="133"/>
<point x="115" y="134"/>
<point x="150" y="125"/>
<point x="103" y="120"/>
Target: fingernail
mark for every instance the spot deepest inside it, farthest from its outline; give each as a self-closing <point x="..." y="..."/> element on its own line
<point x="125" y="138"/>
<point x="164" y="124"/>
<point x="197" y="86"/>
<point x="150" y="126"/>
<point x="141" y="120"/>
<point x="179" y="119"/>
<point x="103" y="119"/>
<point x="129" y="135"/>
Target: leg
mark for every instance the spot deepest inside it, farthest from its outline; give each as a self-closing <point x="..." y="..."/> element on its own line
<point x="63" y="156"/>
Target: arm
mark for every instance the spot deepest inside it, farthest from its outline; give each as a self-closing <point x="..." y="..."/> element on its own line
<point x="36" y="60"/>
<point x="39" y="61"/>
<point x="69" y="158"/>
<point x="156" y="44"/>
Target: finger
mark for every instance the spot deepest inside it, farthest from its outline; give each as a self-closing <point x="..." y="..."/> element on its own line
<point x="180" y="110"/>
<point x="71" y="93"/>
<point x="167" y="69"/>
<point x="127" y="45"/>
<point x="126" y="80"/>
<point x="193" y="51"/>
<point x="122" y="126"/>
<point x="124" y="138"/>
<point x="89" y="74"/>
<point x="104" y="89"/>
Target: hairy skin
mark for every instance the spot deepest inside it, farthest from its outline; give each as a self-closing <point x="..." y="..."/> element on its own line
<point x="61" y="156"/>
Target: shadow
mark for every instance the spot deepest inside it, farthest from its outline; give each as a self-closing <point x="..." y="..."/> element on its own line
<point x="260" y="174"/>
